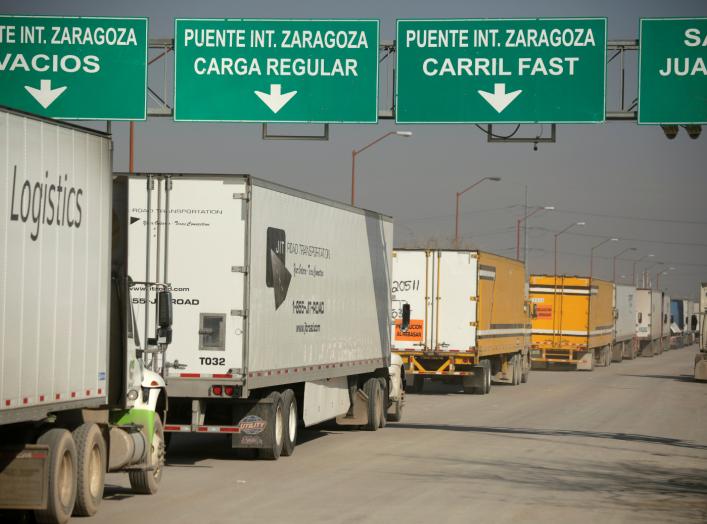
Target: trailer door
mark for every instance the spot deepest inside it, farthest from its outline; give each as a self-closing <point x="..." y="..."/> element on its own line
<point x="412" y="284"/>
<point x="207" y="269"/>
<point x="454" y="302"/>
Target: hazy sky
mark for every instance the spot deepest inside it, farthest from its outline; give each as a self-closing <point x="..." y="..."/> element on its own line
<point x="623" y="180"/>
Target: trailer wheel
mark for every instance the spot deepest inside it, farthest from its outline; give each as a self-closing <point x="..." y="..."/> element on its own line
<point x="147" y="482"/>
<point x="62" y="477"/>
<point x="418" y="384"/>
<point x="372" y="389"/>
<point x="276" y="427"/>
<point x="91" y="452"/>
<point x="525" y="373"/>
<point x="515" y="369"/>
<point x="384" y="401"/>
<point x="290" y="417"/>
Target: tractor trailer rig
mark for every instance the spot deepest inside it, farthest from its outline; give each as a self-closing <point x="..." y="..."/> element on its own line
<point x="76" y="400"/>
<point x="470" y="324"/>
<point x="701" y="357"/>
<point x="282" y="316"/>
<point x="573" y="321"/>
<point x="649" y="321"/>
<point x="625" y="344"/>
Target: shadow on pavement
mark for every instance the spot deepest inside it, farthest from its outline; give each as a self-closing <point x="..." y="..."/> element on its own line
<point x="188" y="450"/>
<point x="627" y="437"/>
<point x="679" y="378"/>
<point x="661" y="494"/>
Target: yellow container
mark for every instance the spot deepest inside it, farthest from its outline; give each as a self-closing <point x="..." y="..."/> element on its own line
<point x="572" y="321"/>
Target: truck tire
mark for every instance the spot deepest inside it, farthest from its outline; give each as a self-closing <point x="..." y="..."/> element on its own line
<point x="384" y="401"/>
<point x="147" y="482"/>
<point x="62" y="477"/>
<point x="487" y="376"/>
<point x="91" y="470"/>
<point x="418" y="384"/>
<point x="290" y="418"/>
<point x="372" y="389"/>
<point x="276" y="427"/>
<point x="515" y="370"/>
<point x="525" y="373"/>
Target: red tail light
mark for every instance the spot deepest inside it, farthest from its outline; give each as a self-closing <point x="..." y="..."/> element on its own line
<point x="217" y="390"/>
<point x="229" y="390"/>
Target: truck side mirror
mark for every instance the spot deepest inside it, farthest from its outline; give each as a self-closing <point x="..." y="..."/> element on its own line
<point x="616" y="313"/>
<point x="640" y="317"/>
<point x="534" y="311"/>
<point x="405" y="323"/>
<point x="164" y="309"/>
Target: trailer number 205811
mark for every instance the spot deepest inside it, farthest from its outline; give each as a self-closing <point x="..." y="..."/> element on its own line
<point x="212" y="361"/>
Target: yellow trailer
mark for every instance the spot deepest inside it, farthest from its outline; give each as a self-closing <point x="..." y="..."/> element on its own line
<point x="469" y="318"/>
<point x="572" y="319"/>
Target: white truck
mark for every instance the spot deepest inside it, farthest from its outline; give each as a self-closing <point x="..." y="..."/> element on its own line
<point x="649" y="324"/>
<point x="665" y="330"/>
<point x="282" y="315"/>
<point x="701" y="357"/>
<point x="625" y="341"/>
<point x="75" y="399"/>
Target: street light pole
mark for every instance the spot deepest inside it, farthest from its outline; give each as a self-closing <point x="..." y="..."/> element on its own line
<point x="523" y="219"/>
<point x="646" y="276"/>
<point x="635" y="262"/>
<point x="356" y="152"/>
<point x="613" y="272"/>
<point x="557" y="235"/>
<point x="591" y="255"/>
<point x="459" y="196"/>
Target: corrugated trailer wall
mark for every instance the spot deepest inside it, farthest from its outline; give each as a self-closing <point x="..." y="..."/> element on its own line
<point x="503" y="323"/>
<point x="54" y="265"/>
<point x="569" y="319"/>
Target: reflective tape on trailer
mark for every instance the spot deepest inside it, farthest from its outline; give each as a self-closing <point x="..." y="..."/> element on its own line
<point x="186" y="428"/>
<point x="27" y="401"/>
<point x="314" y="367"/>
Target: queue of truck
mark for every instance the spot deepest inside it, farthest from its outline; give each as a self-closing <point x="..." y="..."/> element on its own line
<point x="140" y="306"/>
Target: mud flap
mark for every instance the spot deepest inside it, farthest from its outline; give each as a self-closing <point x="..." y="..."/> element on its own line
<point x="358" y="414"/>
<point x="586" y="363"/>
<point x="254" y="420"/>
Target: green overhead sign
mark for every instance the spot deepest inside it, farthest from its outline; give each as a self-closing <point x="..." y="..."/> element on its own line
<point x="74" y="68"/>
<point x="544" y="70"/>
<point x="240" y="70"/>
<point x="673" y="71"/>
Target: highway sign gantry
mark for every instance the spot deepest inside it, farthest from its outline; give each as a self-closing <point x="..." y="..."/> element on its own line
<point x="546" y="70"/>
<point x="672" y="71"/>
<point x="303" y="71"/>
<point x="74" y="68"/>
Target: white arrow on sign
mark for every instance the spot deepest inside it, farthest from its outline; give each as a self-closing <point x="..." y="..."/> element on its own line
<point x="275" y="100"/>
<point x="45" y="95"/>
<point x="499" y="99"/>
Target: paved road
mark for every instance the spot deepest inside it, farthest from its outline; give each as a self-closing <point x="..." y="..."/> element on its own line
<point x="624" y="444"/>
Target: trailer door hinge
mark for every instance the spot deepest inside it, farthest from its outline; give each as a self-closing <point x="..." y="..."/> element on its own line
<point x="473" y="324"/>
<point x="241" y="196"/>
<point x="239" y="269"/>
<point x="473" y="299"/>
<point x="239" y="313"/>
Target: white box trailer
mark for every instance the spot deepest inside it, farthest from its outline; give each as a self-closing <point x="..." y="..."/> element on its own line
<point x="71" y="384"/>
<point x="282" y="309"/>
<point x="625" y="341"/>
<point x="701" y="357"/>
<point x="665" y="330"/>
<point x="470" y="318"/>
<point x="649" y="325"/>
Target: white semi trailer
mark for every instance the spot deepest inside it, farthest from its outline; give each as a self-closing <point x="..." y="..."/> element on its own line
<point x="75" y="399"/>
<point x="282" y="315"/>
<point x="625" y="341"/>
<point x="649" y="325"/>
<point x="701" y="357"/>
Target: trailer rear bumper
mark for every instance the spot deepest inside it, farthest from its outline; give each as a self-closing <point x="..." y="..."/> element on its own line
<point x="438" y="363"/>
<point x="558" y="355"/>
